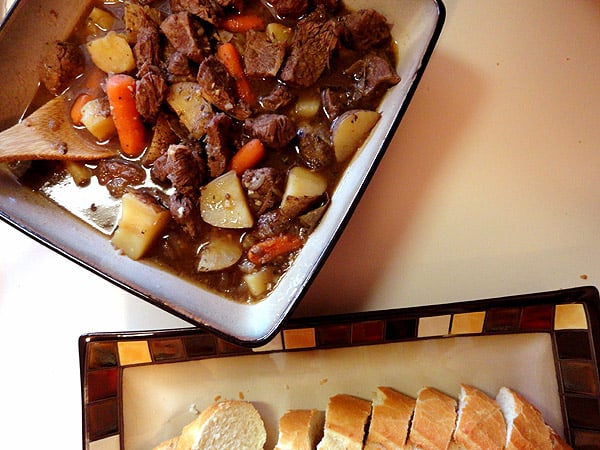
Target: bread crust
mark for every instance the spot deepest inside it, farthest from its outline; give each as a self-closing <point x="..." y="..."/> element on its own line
<point x="433" y="420"/>
<point x="526" y="428"/>
<point x="345" y="422"/>
<point x="390" y="420"/>
<point x="480" y="423"/>
<point x="300" y="429"/>
<point x="169" y="444"/>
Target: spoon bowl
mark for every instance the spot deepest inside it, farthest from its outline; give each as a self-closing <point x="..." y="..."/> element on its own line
<point x="48" y="134"/>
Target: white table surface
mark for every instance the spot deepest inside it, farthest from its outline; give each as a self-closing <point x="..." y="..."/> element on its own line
<point x="491" y="187"/>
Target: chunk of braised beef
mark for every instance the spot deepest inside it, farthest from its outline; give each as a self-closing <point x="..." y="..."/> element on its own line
<point x="210" y="11"/>
<point x="186" y="34"/>
<point x="218" y="143"/>
<point x="61" y="63"/>
<point x="118" y="175"/>
<point x="262" y="58"/>
<point x="150" y="92"/>
<point x="330" y="5"/>
<point x="274" y="130"/>
<point x="373" y="76"/>
<point x="182" y="166"/>
<point x="147" y="48"/>
<point x="272" y="223"/>
<point x="315" y="39"/>
<point x="278" y="98"/>
<point x="366" y="29"/>
<point x="177" y="66"/>
<point x="314" y="146"/>
<point x="335" y="101"/>
<point x="219" y="88"/>
<point x="185" y="211"/>
<point x="289" y="9"/>
<point x="264" y="187"/>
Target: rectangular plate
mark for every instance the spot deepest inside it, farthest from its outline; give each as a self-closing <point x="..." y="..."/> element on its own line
<point x="140" y="388"/>
<point x="416" y="27"/>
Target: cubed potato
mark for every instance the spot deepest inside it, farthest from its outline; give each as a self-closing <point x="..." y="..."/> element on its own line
<point x="95" y="116"/>
<point x="302" y="184"/>
<point x="223" y="203"/>
<point x="279" y="33"/>
<point x="99" y="20"/>
<point x="221" y="250"/>
<point x="261" y="281"/>
<point x="308" y="105"/>
<point x="141" y="223"/>
<point x="350" y="129"/>
<point x="111" y="53"/>
<point x="194" y="111"/>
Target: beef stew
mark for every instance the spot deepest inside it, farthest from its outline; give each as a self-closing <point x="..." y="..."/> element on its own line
<point x="237" y="167"/>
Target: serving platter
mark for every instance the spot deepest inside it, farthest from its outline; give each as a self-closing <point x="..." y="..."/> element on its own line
<point x="141" y="388"/>
<point x="416" y="27"/>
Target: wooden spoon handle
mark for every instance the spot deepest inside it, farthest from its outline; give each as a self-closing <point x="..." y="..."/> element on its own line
<point x="49" y="134"/>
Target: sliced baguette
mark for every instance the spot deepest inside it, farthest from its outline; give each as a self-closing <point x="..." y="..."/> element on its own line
<point x="525" y="426"/>
<point x="480" y="423"/>
<point x="346" y="419"/>
<point x="390" y="420"/>
<point x="433" y="420"/>
<point x="169" y="444"/>
<point x="225" y="425"/>
<point x="300" y="429"/>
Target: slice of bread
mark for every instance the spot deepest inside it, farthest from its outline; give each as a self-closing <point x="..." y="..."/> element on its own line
<point x="390" y="420"/>
<point x="480" y="423"/>
<point x="170" y="444"/>
<point x="525" y="426"/>
<point x="300" y="429"/>
<point x="433" y="420"/>
<point x="346" y="419"/>
<point x="225" y="425"/>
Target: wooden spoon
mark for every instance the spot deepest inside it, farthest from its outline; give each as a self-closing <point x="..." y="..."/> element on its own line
<point x="48" y="133"/>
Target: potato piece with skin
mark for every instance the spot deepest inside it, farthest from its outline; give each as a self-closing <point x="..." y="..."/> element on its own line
<point x="162" y="137"/>
<point x="141" y="223"/>
<point x="350" y="129"/>
<point x="194" y="111"/>
<point x="223" y="203"/>
<point x="222" y="250"/>
<point x="302" y="185"/>
<point x="111" y="53"/>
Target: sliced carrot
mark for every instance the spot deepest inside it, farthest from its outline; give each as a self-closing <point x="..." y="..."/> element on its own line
<point x="229" y="55"/>
<point x="266" y="251"/>
<point x="76" y="107"/>
<point x="240" y="23"/>
<point x="247" y="156"/>
<point x="120" y="89"/>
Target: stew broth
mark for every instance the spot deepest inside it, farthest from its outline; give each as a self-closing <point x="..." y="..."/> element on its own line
<point x="341" y="86"/>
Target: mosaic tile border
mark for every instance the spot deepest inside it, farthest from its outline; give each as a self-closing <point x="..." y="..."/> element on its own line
<point x="571" y="317"/>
